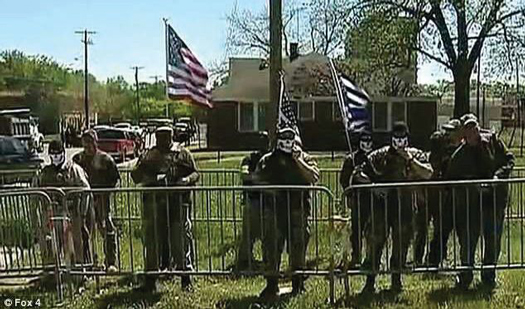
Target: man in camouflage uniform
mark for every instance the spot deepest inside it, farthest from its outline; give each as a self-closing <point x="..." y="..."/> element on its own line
<point x="102" y="173"/>
<point x="434" y="203"/>
<point x="392" y="208"/>
<point x="359" y="204"/>
<point x="166" y="216"/>
<point x="285" y="211"/>
<point x="251" y="220"/>
<point x="74" y="238"/>
<point x="481" y="156"/>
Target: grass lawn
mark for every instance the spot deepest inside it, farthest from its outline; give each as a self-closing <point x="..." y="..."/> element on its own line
<point x="421" y="290"/>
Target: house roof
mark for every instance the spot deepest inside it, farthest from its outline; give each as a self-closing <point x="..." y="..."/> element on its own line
<point x="248" y="79"/>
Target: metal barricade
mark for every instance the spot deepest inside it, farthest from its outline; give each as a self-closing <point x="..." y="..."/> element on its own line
<point x="28" y="240"/>
<point x="153" y="224"/>
<point x="457" y="226"/>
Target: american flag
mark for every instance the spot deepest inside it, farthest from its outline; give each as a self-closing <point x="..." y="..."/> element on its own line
<point x="287" y="117"/>
<point x="187" y="78"/>
<point x="353" y="104"/>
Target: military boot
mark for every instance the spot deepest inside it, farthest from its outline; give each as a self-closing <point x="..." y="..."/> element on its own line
<point x="370" y="285"/>
<point x="297" y="285"/>
<point x="271" y="291"/>
<point x="396" y="283"/>
<point x="186" y="284"/>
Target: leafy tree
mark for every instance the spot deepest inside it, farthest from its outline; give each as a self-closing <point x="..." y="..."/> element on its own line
<point x="454" y="32"/>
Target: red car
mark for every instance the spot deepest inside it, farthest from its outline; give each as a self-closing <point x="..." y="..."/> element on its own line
<point x="118" y="143"/>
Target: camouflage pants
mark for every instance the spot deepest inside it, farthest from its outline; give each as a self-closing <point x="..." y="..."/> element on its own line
<point x="480" y="212"/>
<point x="359" y="205"/>
<point x="390" y="211"/>
<point x="251" y="230"/>
<point x="105" y="226"/>
<point x="168" y="236"/>
<point x="285" y="220"/>
<point x="434" y="205"/>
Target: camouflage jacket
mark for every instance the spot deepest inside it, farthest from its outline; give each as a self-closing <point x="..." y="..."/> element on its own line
<point x="387" y="165"/>
<point x="357" y="157"/>
<point x="68" y="175"/>
<point x="248" y="166"/>
<point x="101" y="169"/>
<point x="489" y="158"/>
<point x="440" y="153"/>
<point x="175" y="164"/>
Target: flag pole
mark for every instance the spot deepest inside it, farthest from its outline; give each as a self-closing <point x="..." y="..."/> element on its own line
<point x="339" y="96"/>
<point x="166" y="43"/>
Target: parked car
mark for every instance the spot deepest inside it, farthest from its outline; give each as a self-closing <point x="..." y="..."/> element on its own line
<point x="118" y="143"/>
<point x="192" y="127"/>
<point x="123" y="125"/>
<point x="17" y="163"/>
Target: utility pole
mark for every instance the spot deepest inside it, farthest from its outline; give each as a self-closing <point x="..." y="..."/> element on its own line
<point x="137" y="68"/>
<point x="87" y="41"/>
<point x="275" y="65"/>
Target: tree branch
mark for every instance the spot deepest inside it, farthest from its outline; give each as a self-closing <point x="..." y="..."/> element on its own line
<point x="433" y="57"/>
<point x="441" y="24"/>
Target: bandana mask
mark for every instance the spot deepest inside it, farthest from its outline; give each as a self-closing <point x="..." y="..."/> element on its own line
<point x="365" y="146"/>
<point x="400" y="142"/>
<point x="57" y="159"/>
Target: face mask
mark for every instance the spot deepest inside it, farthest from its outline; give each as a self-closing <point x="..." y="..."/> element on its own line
<point x="400" y="142"/>
<point x="365" y="146"/>
<point x="285" y="145"/>
<point x="57" y="159"/>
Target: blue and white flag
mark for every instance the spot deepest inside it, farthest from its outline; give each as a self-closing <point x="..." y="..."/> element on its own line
<point x="353" y="103"/>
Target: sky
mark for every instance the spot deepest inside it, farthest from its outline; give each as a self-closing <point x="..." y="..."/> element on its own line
<point x="128" y="33"/>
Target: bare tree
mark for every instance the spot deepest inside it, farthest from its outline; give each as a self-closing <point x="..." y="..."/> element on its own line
<point x="454" y="32"/>
<point x="317" y="25"/>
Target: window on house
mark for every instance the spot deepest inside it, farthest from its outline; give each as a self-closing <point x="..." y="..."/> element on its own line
<point x="252" y="117"/>
<point x="306" y="110"/>
<point x="398" y="111"/>
<point x="380" y="116"/>
<point x="385" y="114"/>
<point x="261" y="115"/>
<point x="246" y="119"/>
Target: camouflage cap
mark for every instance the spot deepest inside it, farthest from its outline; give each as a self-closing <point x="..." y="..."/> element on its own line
<point x="469" y="119"/>
<point x="451" y="125"/>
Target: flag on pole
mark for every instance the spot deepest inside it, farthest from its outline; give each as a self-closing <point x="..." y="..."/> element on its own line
<point x="353" y="103"/>
<point x="187" y="78"/>
<point x="287" y="117"/>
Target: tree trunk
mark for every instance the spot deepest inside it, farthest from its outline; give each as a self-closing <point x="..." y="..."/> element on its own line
<point x="461" y="90"/>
